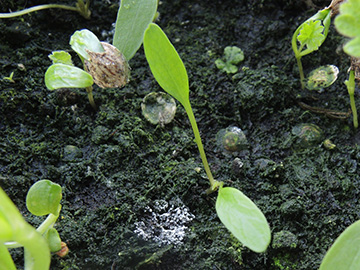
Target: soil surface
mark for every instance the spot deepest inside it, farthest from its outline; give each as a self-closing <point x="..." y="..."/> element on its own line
<point x="133" y="192"/>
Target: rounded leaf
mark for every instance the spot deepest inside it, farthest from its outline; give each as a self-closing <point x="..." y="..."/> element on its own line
<point x="83" y="41"/>
<point x="243" y="219"/>
<point x="353" y="47"/>
<point x="44" y="198"/>
<point x="344" y="254"/>
<point x="65" y="76"/>
<point x="53" y="238"/>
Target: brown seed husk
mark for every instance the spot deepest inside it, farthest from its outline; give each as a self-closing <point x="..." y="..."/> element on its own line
<point x="109" y="69"/>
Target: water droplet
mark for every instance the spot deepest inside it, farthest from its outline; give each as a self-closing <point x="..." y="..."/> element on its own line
<point x="158" y="108"/>
<point x="322" y="77"/>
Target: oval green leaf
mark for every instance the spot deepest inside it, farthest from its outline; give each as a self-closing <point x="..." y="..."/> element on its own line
<point x="83" y="40"/>
<point x="353" y="47"/>
<point x="65" y="76"/>
<point x="344" y="254"/>
<point x="44" y="198"/>
<point x="132" y="20"/>
<point x="166" y="64"/>
<point x="53" y="238"/>
<point x="243" y="219"/>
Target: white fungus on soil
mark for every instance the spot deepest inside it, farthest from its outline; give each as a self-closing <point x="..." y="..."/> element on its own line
<point x="164" y="224"/>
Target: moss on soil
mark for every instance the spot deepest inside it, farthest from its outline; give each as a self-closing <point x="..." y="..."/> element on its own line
<point x="112" y="163"/>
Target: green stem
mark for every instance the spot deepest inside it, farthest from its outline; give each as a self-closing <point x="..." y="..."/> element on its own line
<point x="36" y="8"/>
<point x="301" y="71"/>
<point x="6" y="261"/>
<point x="91" y="97"/>
<point x="351" y="90"/>
<point x="214" y="184"/>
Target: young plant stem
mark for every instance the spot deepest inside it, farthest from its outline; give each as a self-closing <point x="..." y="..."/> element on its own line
<point x="214" y="184"/>
<point x="351" y="90"/>
<point x="91" y="97"/>
<point x="301" y="71"/>
<point x="42" y="7"/>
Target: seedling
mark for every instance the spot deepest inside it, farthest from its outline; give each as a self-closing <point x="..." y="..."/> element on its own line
<point x="104" y="64"/>
<point x="233" y="56"/>
<point x="81" y="7"/>
<point x="236" y="211"/>
<point x="348" y="24"/>
<point x="309" y="36"/>
<point x="43" y="198"/>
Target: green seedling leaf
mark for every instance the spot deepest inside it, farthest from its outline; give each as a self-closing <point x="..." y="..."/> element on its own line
<point x="61" y="57"/>
<point x="65" y="76"/>
<point x="344" y="254"/>
<point x="6" y="231"/>
<point x="84" y="40"/>
<point x="53" y="238"/>
<point x="311" y="35"/>
<point x="233" y="56"/>
<point x="44" y="198"/>
<point x="353" y="47"/>
<point x="348" y="24"/>
<point x="5" y="258"/>
<point x="132" y="20"/>
<point x="243" y="219"/>
<point x="166" y="65"/>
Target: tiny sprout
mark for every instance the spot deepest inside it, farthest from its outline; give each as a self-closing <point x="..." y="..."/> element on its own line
<point x="233" y="56"/>
<point x="158" y="108"/>
<point x="10" y="78"/>
<point x="328" y="144"/>
<point x="322" y="77"/>
<point x="104" y="64"/>
<point x="232" y="139"/>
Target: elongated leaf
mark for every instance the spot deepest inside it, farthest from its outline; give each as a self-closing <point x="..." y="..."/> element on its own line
<point x="5" y="259"/>
<point x="44" y="198"/>
<point x="344" y="254"/>
<point x="65" y="76"/>
<point x="165" y="64"/>
<point x="132" y="20"/>
<point x="243" y="219"/>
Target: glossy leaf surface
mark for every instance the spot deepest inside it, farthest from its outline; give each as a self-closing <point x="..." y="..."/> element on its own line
<point x="65" y="76"/>
<point x="166" y="64"/>
<point x="84" y="40"/>
<point x="344" y="254"/>
<point x="132" y="20"/>
<point x="44" y="198"/>
<point x="243" y="219"/>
